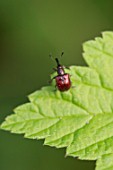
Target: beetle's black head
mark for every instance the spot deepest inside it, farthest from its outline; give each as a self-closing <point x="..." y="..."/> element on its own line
<point x="57" y="61"/>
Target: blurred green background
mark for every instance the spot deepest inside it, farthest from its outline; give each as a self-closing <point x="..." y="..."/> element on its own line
<point x="29" y="31"/>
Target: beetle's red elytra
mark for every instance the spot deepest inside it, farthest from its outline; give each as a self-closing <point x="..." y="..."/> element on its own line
<point x="63" y="82"/>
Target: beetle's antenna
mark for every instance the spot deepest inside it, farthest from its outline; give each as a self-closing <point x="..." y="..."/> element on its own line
<point x="50" y="55"/>
<point x="56" y="59"/>
<point x="62" y="53"/>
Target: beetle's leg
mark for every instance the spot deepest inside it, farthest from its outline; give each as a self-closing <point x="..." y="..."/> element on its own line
<point x="55" y="88"/>
<point x="50" y="81"/>
<point x="66" y="67"/>
<point x="55" y="69"/>
<point x="73" y="86"/>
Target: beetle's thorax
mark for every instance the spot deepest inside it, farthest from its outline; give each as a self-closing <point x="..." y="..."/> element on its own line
<point x="60" y="70"/>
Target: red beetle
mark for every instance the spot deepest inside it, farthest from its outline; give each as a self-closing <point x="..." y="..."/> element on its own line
<point x="63" y="82"/>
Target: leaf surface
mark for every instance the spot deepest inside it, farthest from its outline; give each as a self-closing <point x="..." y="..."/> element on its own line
<point x="80" y="119"/>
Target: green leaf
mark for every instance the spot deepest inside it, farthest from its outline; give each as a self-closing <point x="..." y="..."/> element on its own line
<point x="80" y="119"/>
<point x="105" y="162"/>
